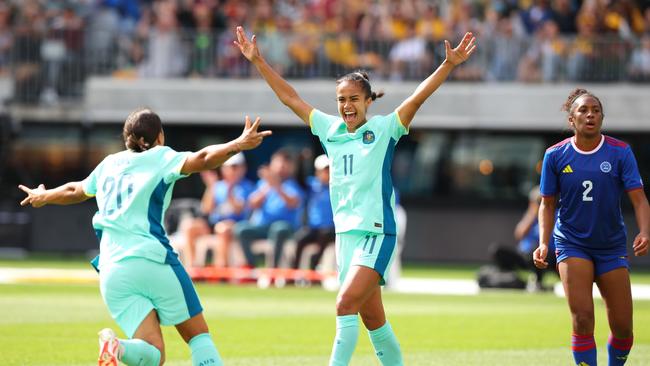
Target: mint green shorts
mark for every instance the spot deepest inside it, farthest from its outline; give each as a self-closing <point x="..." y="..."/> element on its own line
<point x="133" y="286"/>
<point x="361" y="248"/>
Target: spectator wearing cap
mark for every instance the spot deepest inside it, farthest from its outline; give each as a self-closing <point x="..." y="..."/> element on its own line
<point x="319" y="229"/>
<point x="224" y="203"/>
<point x="276" y="204"/>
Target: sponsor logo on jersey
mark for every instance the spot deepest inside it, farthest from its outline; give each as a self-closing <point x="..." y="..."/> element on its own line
<point x="567" y="169"/>
<point x="605" y="167"/>
<point x="368" y="137"/>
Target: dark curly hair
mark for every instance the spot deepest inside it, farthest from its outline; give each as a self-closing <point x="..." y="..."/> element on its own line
<point x="362" y="78"/>
<point x="574" y="95"/>
<point x="141" y="129"/>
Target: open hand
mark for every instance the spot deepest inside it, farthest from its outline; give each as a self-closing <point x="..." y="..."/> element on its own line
<point x="248" y="48"/>
<point x="640" y="245"/>
<point x="539" y="256"/>
<point x="251" y="138"/>
<point x="462" y="52"/>
<point x="35" y="196"/>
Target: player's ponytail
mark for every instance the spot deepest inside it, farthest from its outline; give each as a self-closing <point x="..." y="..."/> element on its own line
<point x="141" y="129"/>
<point x="362" y="78"/>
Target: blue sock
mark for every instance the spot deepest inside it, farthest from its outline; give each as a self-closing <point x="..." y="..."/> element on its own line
<point x="584" y="349"/>
<point x="386" y="346"/>
<point x="136" y="352"/>
<point x="347" y="333"/>
<point x="618" y="349"/>
<point x="204" y="352"/>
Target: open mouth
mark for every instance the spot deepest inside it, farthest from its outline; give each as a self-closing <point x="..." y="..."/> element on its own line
<point x="349" y="117"/>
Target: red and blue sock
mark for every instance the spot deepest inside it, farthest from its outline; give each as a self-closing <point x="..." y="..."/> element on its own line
<point x="618" y="349"/>
<point x="584" y="349"/>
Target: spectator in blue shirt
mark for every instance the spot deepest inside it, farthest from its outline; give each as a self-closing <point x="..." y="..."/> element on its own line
<point x="224" y="203"/>
<point x="320" y="222"/>
<point x="276" y="204"/>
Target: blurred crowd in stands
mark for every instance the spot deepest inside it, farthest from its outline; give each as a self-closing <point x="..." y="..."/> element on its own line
<point x="53" y="45"/>
<point x="257" y="217"/>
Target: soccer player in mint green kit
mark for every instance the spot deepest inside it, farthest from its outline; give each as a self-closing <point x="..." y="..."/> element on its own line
<point x="360" y="152"/>
<point x="141" y="279"/>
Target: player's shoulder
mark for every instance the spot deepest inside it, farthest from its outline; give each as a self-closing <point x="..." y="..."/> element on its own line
<point x="318" y="114"/>
<point x="559" y="146"/>
<point x="382" y="118"/>
<point x="111" y="159"/>
<point x="615" y="143"/>
<point x="161" y="149"/>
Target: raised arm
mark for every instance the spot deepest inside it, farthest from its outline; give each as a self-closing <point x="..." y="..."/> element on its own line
<point x="213" y="156"/>
<point x="642" y="213"/>
<point x="66" y="194"/>
<point x="546" y="220"/>
<point x="285" y="92"/>
<point x="454" y="57"/>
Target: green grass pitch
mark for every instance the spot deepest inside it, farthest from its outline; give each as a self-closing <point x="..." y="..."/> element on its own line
<point x="56" y="324"/>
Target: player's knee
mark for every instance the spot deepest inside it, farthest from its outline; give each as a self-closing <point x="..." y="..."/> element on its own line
<point x="622" y="330"/>
<point x="372" y="320"/>
<point x="583" y="321"/>
<point x="347" y="304"/>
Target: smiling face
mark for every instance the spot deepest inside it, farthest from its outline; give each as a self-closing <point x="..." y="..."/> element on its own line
<point x="586" y="117"/>
<point x="352" y="103"/>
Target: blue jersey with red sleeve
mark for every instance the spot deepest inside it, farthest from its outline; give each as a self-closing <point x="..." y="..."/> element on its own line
<point x="590" y="185"/>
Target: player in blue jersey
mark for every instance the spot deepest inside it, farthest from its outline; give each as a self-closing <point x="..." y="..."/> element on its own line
<point x="584" y="177"/>
<point x="141" y="279"/>
<point x="360" y="152"/>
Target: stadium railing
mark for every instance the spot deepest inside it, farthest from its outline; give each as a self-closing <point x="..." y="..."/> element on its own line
<point x="46" y="70"/>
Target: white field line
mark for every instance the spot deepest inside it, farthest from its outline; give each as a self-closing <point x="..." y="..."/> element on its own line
<point x="47" y="275"/>
<point x="402" y="285"/>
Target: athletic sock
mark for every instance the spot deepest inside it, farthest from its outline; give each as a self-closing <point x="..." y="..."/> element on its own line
<point x="347" y="333"/>
<point x="204" y="352"/>
<point x="136" y="352"/>
<point x="618" y="349"/>
<point x="584" y="349"/>
<point x="386" y="346"/>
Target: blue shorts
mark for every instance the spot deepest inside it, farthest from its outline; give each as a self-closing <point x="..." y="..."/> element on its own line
<point x="360" y="248"/>
<point x="134" y="286"/>
<point x="603" y="262"/>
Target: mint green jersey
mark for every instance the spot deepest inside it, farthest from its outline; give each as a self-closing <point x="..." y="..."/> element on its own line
<point x="133" y="191"/>
<point x="361" y="187"/>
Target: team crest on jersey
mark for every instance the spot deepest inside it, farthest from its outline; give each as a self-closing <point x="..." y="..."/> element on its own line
<point x="368" y="137"/>
<point x="605" y="167"/>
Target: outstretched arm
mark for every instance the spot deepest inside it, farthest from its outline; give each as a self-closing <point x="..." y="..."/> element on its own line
<point x="285" y="92"/>
<point x="66" y="194"/>
<point x="642" y="213"/>
<point x="213" y="156"/>
<point x="454" y="57"/>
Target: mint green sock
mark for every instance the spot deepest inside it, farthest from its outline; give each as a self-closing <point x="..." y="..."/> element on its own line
<point x="204" y="352"/>
<point x="137" y="352"/>
<point x="386" y="346"/>
<point x="347" y="333"/>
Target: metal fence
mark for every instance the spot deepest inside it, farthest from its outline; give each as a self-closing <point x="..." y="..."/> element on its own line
<point x="46" y="69"/>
